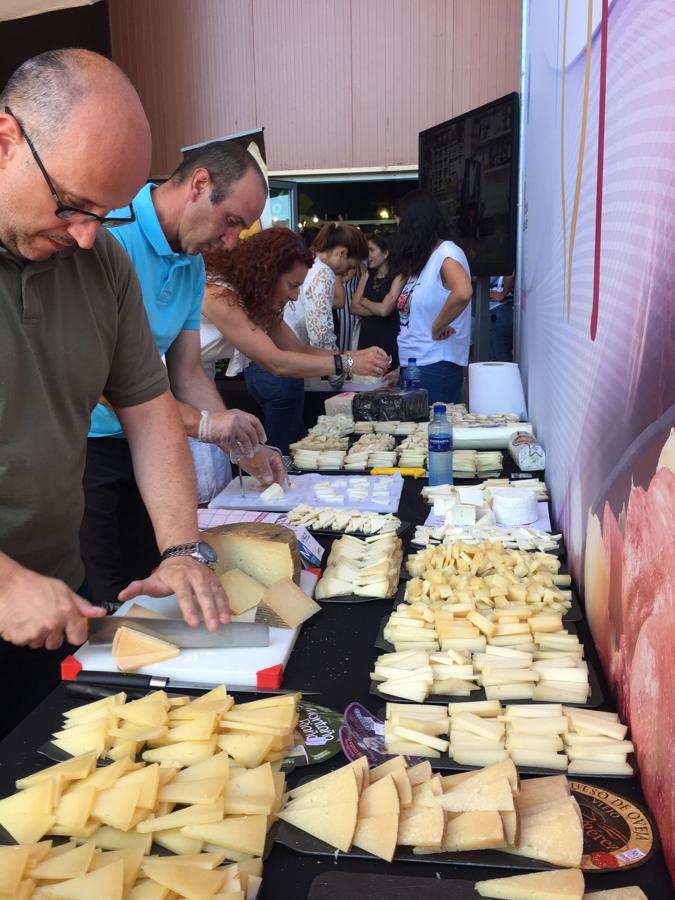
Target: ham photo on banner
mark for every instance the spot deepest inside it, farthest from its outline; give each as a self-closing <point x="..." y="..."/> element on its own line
<point x="598" y="329"/>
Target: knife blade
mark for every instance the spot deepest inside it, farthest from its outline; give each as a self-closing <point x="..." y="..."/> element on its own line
<point x="177" y="631"/>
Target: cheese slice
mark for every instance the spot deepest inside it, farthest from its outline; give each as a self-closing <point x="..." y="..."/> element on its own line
<point x="290" y="605"/>
<point x="243" y="592"/>
<point x="631" y="892"/>
<point x="478" y="795"/>
<point x="334" y="825"/>
<point x="267" y="553"/>
<point x="192" y="882"/>
<point x="248" y="750"/>
<point x="554" y="836"/>
<point x="379" y="799"/>
<point x="422" y="829"/>
<point x="144" y="612"/>
<point x="132" y="650"/>
<point x="564" y="884"/>
<point x="13" y="861"/>
<point x="70" y="770"/>
<point x="378" y="834"/>
<point x="341" y="789"/>
<point x="72" y="864"/>
<point x="245" y="834"/>
<point x="103" y="884"/>
<point x="28" y="815"/>
<point x="359" y="766"/>
<point x="474" y="830"/>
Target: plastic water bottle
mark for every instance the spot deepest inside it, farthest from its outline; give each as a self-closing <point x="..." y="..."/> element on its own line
<point x="412" y="377"/>
<point x="440" y="448"/>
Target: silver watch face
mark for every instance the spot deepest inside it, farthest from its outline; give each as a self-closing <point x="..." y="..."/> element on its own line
<point x="207" y="552"/>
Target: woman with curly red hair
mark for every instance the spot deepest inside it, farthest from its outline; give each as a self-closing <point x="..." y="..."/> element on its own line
<point x="242" y="319"/>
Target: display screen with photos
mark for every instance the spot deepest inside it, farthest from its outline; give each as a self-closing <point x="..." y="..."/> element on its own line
<point x="470" y="165"/>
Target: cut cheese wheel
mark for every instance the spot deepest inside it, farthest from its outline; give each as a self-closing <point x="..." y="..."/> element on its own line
<point x="243" y="592"/>
<point x="565" y="884"/>
<point x="132" y="649"/>
<point x="267" y="553"/>
<point x="103" y="884"/>
<point x="289" y="604"/>
<point x="474" y="830"/>
<point x="335" y="825"/>
<point x="377" y="835"/>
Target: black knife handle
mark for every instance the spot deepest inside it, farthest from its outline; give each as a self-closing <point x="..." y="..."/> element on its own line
<point x="96" y="692"/>
<point x="120" y="680"/>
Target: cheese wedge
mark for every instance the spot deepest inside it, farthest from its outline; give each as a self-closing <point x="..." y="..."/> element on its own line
<point x="245" y="834"/>
<point x="379" y="799"/>
<point x="564" y="884"/>
<point x="247" y="750"/>
<point x="192" y="882"/>
<point x="75" y="808"/>
<point x="267" y="553"/>
<point x="334" y="825"/>
<point x="378" y="834"/>
<point x="243" y="592"/>
<point x="631" y="892"/>
<point x="13" y="862"/>
<point x="72" y="864"/>
<point x="422" y="829"/>
<point x="70" y="770"/>
<point x="28" y="815"/>
<point x="103" y="884"/>
<point x="341" y="789"/>
<point x="360" y="767"/>
<point x="555" y="835"/>
<point x="474" y="830"/>
<point x="144" y="612"/>
<point x="291" y="605"/>
<point x="131" y="650"/>
<point x="189" y="815"/>
<point x="475" y="795"/>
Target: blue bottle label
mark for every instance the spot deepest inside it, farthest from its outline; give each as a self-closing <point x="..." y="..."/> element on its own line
<point x="441" y="443"/>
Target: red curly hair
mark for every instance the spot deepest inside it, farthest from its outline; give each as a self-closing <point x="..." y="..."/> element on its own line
<point x="254" y="267"/>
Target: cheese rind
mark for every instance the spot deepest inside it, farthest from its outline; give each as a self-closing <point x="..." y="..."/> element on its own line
<point x="267" y="553"/>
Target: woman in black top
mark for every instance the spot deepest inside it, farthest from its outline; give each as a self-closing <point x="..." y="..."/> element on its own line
<point x="375" y="301"/>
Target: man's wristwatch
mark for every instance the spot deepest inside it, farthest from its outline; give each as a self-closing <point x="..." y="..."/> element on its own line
<point x="348" y="363"/>
<point x="199" y="550"/>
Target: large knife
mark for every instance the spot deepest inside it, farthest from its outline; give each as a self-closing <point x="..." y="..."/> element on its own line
<point x="101" y="684"/>
<point x="177" y="631"/>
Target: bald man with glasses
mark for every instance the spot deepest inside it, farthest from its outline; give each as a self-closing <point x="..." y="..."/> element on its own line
<point x="74" y="145"/>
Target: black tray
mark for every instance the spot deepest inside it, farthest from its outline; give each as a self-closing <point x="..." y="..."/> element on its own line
<point x="338" y="885"/>
<point x="608" y="847"/>
<point x="445" y="764"/>
<point x="352" y="598"/>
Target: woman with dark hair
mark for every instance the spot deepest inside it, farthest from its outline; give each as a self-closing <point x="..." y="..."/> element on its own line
<point x="338" y="248"/>
<point x="247" y="291"/>
<point x="434" y="305"/>
<point x="375" y="300"/>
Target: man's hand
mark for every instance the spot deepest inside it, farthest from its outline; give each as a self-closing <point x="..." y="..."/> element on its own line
<point x="195" y="586"/>
<point x="235" y="431"/>
<point x="265" y="465"/>
<point x="36" y="611"/>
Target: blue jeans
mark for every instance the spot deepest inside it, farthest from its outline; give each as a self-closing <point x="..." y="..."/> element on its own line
<point x="443" y="382"/>
<point x="282" y="401"/>
<point x="501" y="332"/>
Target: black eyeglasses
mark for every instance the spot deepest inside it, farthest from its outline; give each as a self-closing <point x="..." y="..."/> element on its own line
<point x="71" y="213"/>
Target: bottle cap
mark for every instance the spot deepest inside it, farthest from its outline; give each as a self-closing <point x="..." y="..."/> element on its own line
<point x="412" y="361"/>
<point x="439" y="408"/>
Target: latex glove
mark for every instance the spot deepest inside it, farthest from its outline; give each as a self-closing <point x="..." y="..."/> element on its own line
<point x="233" y="431"/>
<point x="266" y="465"/>
<point x="36" y="611"/>
<point x="197" y="589"/>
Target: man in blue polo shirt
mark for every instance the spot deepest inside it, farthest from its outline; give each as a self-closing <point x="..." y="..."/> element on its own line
<point x="216" y="192"/>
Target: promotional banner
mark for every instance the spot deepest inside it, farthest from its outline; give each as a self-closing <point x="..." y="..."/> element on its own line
<point x="598" y="337"/>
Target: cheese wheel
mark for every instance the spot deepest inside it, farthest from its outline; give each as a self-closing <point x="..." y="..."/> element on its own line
<point x="267" y="553"/>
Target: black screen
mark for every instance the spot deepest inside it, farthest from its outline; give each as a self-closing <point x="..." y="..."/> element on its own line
<point x="470" y="165"/>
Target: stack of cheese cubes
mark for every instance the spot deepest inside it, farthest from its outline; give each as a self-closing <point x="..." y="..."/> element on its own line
<point x="393" y="805"/>
<point x="533" y="735"/>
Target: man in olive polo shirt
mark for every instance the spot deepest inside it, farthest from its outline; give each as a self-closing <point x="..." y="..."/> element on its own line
<point x="74" y="144"/>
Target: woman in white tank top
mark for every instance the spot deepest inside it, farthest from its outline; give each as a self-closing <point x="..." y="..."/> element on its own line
<point x="435" y="303"/>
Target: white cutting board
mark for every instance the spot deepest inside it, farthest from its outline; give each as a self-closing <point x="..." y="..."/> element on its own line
<point x="206" y="666"/>
<point x="301" y="490"/>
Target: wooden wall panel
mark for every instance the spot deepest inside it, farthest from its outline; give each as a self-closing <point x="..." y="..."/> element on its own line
<point x="303" y="81"/>
<point x="336" y="83"/>
<point x="192" y="63"/>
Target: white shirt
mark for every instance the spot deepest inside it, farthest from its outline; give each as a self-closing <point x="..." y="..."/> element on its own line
<point x="311" y="315"/>
<point x="420" y="302"/>
<point x="215" y="346"/>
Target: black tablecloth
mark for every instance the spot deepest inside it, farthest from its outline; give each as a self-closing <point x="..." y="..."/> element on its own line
<point x="333" y="655"/>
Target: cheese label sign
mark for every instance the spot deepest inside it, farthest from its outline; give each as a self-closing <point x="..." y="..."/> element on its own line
<point x="618" y="834"/>
<point x="319" y="728"/>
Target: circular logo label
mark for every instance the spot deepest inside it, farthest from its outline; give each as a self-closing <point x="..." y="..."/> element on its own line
<point x="618" y="834"/>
